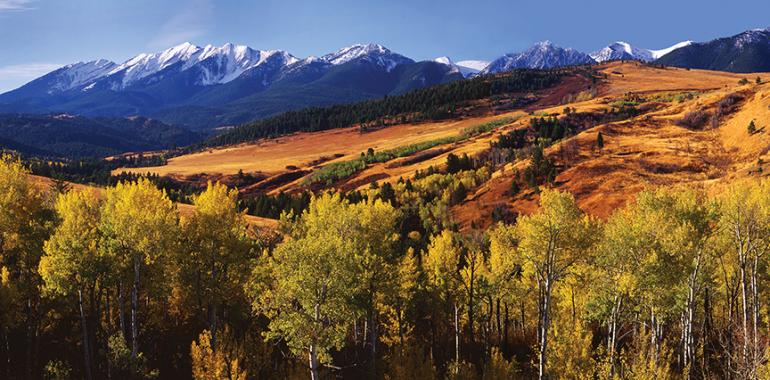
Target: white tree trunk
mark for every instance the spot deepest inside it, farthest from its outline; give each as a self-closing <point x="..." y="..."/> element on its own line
<point x="86" y="345"/>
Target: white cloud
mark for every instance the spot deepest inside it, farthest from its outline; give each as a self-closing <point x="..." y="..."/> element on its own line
<point x="188" y="23"/>
<point x="15" y="5"/>
<point x="32" y="70"/>
<point x="13" y="76"/>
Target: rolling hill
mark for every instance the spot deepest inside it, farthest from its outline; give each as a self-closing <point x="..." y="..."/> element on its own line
<point x="648" y="147"/>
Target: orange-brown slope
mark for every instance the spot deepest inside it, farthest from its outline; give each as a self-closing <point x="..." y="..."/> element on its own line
<point x="650" y="150"/>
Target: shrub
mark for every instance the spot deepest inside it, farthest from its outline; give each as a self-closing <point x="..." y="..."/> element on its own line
<point x="486" y="127"/>
<point x="694" y="119"/>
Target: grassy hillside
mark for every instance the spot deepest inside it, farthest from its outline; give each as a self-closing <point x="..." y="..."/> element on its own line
<point x="646" y="148"/>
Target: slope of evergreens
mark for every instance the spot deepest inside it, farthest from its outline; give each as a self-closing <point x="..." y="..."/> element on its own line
<point x="432" y="103"/>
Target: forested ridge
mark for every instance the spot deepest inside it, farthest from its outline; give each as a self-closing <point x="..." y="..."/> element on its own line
<point x="119" y="285"/>
<point x="431" y="103"/>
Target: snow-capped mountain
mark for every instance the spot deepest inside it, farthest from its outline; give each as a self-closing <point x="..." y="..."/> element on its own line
<point x="215" y="65"/>
<point x="742" y="53"/>
<point x="467" y="68"/>
<point x="229" y="83"/>
<point x="77" y="74"/>
<point x="543" y="55"/>
<point x="67" y="78"/>
<point x="374" y="53"/>
<point x="623" y="50"/>
<point x="210" y="86"/>
<point x="473" y="65"/>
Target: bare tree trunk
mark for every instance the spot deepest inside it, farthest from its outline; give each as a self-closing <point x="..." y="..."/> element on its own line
<point x="505" y="330"/>
<point x="654" y="337"/>
<point x="374" y="336"/>
<point x="498" y="324"/>
<point x="612" y="333"/>
<point x="457" y="335"/>
<point x="28" y="340"/>
<point x="400" y="325"/>
<point x="213" y="306"/>
<point x="470" y="307"/>
<point x="744" y="309"/>
<point x="121" y="313"/>
<point x="688" y="340"/>
<point x="86" y="345"/>
<point x="313" y="355"/>
<point x="7" y="355"/>
<point x="213" y="326"/>
<point x="110" y="328"/>
<point x="544" y="326"/>
<point x="756" y="355"/>
<point x="135" y="311"/>
<point x="314" y="373"/>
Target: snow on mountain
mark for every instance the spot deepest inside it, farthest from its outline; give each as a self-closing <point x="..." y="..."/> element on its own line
<point x="475" y="65"/>
<point x="147" y="64"/>
<point x="751" y="36"/>
<point x="374" y="53"/>
<point x="217" y="64"/>
<point x="623" y="50"/>
<point x="226" y="63"/>
<point x="465" y="68"/>
<point x="659" y="53"/>
<point x="444" y="60"/>
<point x="78" y="74"/>
<point x="543" y="55"/>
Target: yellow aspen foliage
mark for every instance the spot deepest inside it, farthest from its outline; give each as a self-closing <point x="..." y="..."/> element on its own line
<point x="72" y="256"/>
<point x="214" y="254"/>
<point x="220" y="364"/>
<point x="139" y="220"/>
<point x="498" y="368"/>
<point x="410" y="362"/>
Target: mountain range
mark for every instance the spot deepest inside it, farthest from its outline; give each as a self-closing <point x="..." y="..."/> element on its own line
<point x="207" y="87"/>
<point x="746" y="52"/>
<point x="212" y="86"/>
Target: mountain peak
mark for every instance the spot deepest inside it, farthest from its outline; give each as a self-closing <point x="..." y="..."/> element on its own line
<point x="445" y="60"/>
<point x="371" y="52"/>
<point x="542" y="55"/>
<point x="352" y="52"/>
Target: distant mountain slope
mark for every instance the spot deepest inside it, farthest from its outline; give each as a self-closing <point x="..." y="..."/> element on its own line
<point x="214" y="86"/>
<point x="743" y="53"/>
<point x="72" y="136"/>
<point x="543" y="55"/>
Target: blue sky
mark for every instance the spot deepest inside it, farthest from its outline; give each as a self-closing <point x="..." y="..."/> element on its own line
<point x="37" y="36"/>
